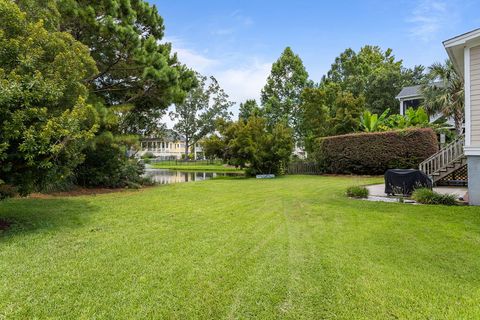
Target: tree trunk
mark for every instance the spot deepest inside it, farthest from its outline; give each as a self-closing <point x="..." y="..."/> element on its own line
<point x="458" y="118"/>
<point x="186" y="148"/>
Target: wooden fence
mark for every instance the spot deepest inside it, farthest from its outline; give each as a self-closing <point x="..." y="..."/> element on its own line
<point x="303" y="168"/>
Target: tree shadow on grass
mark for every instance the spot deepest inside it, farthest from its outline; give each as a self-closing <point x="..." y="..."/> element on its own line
<point x="20" y="216"/>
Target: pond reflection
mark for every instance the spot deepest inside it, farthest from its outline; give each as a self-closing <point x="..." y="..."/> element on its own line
<point x="166" y="176"/>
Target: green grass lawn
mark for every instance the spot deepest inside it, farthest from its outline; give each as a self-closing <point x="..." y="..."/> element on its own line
<point x="288" y="248"/>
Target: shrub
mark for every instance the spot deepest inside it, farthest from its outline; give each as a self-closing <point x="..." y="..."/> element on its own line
<point x="148" y="155"/>
<point x="257" y="147"/>
<point x="427" y="196"/>
<point x="357" y="192"/>
<point x="6" y="191"/>
<point x="107" y="166"/>
<point x="374" y="153"/>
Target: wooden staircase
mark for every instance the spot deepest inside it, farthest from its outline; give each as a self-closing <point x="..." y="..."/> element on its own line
<point x="445" y="162"/>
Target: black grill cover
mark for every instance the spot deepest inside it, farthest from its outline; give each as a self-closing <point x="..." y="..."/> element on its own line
<point x="405" y="181"/>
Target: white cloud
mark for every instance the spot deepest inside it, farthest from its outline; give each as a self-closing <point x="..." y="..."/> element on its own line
<point x="246" y="82"/>
<point x="195" y="60"/>
<point x="190" y="57"/>
<point x="428" y="18"/>
<point x="241" y="80"/>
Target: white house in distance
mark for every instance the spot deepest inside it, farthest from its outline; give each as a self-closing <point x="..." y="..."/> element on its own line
<point x="464" y="51"/>
<point x="168" y="147"/>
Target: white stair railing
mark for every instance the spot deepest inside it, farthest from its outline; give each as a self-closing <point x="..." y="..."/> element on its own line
<point x="444" y="158"/>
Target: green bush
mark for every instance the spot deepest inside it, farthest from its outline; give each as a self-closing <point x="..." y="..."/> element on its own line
<point x="148" y="155"/>
<point x="427" y="196"/>
<point x="107" y="166"/>
<point x="256" y="147"/>
<point x="374" y="153"/>
<point x="6" y="191"/>
<point x="357" y="192"/>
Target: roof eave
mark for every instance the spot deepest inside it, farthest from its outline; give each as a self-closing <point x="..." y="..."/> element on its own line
<point x="462" y="39"/>
<point x="455" y="48"/>
<point x="409" y="97"/>
<point x="457" y="57"/>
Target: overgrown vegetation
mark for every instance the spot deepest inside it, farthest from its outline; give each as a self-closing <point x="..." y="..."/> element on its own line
<point x="427" y="196"/>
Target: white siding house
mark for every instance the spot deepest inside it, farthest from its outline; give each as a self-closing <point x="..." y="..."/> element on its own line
<point x="464" y="51"/>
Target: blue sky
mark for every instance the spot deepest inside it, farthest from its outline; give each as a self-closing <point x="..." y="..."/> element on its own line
<point x="237" y="41"/>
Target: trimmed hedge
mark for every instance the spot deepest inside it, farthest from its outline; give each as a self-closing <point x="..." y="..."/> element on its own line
<point x="374" y="153"/>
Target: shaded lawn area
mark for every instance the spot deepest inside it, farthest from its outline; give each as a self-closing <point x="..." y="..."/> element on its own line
<point x="288" y="248"/>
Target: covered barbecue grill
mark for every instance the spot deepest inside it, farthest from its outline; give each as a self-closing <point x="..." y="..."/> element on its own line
<point x="405" y="181"/>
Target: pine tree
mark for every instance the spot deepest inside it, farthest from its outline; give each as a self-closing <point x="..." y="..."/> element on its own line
<point x="281" y="96"/>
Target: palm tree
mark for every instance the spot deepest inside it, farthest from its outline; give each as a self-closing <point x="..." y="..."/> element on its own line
<point x="444" y="93"/>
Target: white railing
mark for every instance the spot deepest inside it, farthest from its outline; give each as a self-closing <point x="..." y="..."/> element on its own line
<point x="445" y="157"/>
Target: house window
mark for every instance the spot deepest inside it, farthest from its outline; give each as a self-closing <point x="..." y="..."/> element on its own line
<point x="414" y="103"/>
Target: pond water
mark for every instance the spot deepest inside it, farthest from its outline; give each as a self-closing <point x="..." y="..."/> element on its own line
<point x="167" y="176"/>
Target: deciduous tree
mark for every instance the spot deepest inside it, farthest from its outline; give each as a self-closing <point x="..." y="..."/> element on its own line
<point x="373" y="73"/>
<point x="197" y="116"/>
<point x="259" y="148"/>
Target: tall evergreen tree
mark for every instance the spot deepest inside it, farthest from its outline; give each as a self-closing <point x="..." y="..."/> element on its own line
<point x="134" y="66"/>
<point x="281" y="96"/>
